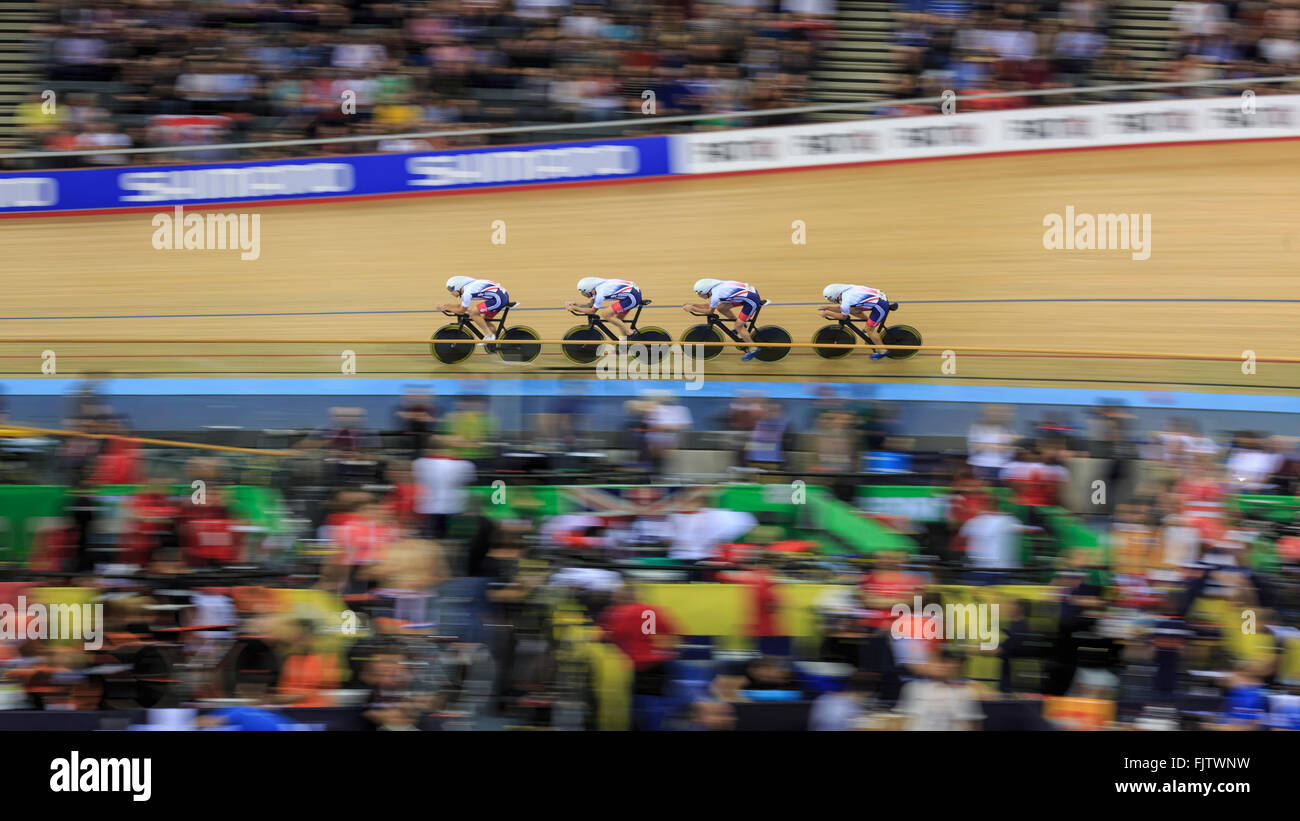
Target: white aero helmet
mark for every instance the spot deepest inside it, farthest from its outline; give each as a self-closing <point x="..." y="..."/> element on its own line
<point x="834" y="290"/>
<point x="588" y="285"/>
<point x="456" y="283"/>
<point x="704" y="286"/>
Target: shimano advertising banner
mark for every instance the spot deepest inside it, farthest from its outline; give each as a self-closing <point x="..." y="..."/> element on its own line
<point x="754" y="149"/>
<point x="326" y="177"/>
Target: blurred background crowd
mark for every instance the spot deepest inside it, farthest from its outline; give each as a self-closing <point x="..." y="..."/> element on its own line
<point x="731" y="566"/>
<point x="154" y="73"/>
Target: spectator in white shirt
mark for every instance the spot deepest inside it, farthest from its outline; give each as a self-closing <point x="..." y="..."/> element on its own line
<point x="992" y="540"/>
<point x="941" y="702"/>
<point x="1253" y="463"/>
<point x="104" y="135"/>
<point x="696" y="536"/>
<point x="990" y="443"/>
<point x="1195" y="19"/>
<point x="367" y="56"/>
<point x="440" y="480"/>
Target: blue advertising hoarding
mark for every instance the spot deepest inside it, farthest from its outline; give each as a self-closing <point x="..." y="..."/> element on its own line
<point x="330" y="177"/>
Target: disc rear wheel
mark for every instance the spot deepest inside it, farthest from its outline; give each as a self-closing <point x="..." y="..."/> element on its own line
<point x="776" y="335"/>
<point x="901" y="335"/>
<point x="526" y="350"/>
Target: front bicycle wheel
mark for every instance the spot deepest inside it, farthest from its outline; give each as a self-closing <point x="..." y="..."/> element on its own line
<point x="453" y="345"/>
<point x="833" y="335"/>
<point x="703" y="333"/>
<point x="582" y="354"/>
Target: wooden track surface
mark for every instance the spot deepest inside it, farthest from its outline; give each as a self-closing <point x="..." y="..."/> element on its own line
<point x="931" y="234"/>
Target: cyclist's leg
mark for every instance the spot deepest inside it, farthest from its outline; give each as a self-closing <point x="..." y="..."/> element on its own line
<point x="487" y="310"/>
<point x="614" y="314"/>
<point x="747" y="309"/>
<point x="874" y="319"/>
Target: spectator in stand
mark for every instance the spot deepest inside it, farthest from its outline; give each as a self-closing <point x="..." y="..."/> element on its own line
<point x="118" y="461"/>
<point x="697" y="534"/>
<point x="1134" y="543"/>
<point x="1254" y="462"/>
<point x="306" y="673"/>
<point x="667" y="422"/>
<point x="646" y="635"/>
<point x="360" y="530"/>
<point x="767" y="441"/>
<point x="440" y="479"/>
<point x="1016" y="644"/>
<point x="833" y="444"/>
<point x="468" y="431"/>
<point x="990" y="442"/>
<point x="712" y="715"/>
<point x="742" y="414"/>
<point x="417" y="417"/>
<point x="992" y="540"/>
<point x="208" y="535"/>
<point x="765" y="605"/>
<point x="942" y="700"/>
<point x="840" y="710"/>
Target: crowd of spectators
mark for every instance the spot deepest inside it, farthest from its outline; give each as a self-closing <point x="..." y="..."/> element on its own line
<point x="184" y="74"/>
<point x="187" y="73"/>
<point x="1007" y="46"/>
<point x="1134" y="605"/>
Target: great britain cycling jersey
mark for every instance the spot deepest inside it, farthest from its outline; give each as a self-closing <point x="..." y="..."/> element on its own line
<point x="625" y="294"/>
<point x="869" y="300"/>
<point x="736" y="293"/>
<point x="493" y="295"/>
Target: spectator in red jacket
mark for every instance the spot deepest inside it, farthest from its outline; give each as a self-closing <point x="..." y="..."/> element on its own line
<point x="118" y="462"/>
<point x="764" y="607"/>
<point x="646" y="635"/>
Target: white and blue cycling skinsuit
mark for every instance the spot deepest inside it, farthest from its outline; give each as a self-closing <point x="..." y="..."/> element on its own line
<point x="870" y="301"/>
<point x="625" y="294"/>
<point x="736" y="293"/>
<point x="493" y="295"/>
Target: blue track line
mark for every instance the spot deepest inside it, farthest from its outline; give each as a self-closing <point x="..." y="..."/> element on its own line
<point x="649" y="307"/>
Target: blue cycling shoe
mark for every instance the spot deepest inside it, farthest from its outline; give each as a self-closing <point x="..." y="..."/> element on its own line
<point x="749" y="355"/>
<point x="879" y="355"/>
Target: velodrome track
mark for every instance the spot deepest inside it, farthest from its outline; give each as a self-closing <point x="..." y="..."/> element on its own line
<point x="958" y="242"/>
